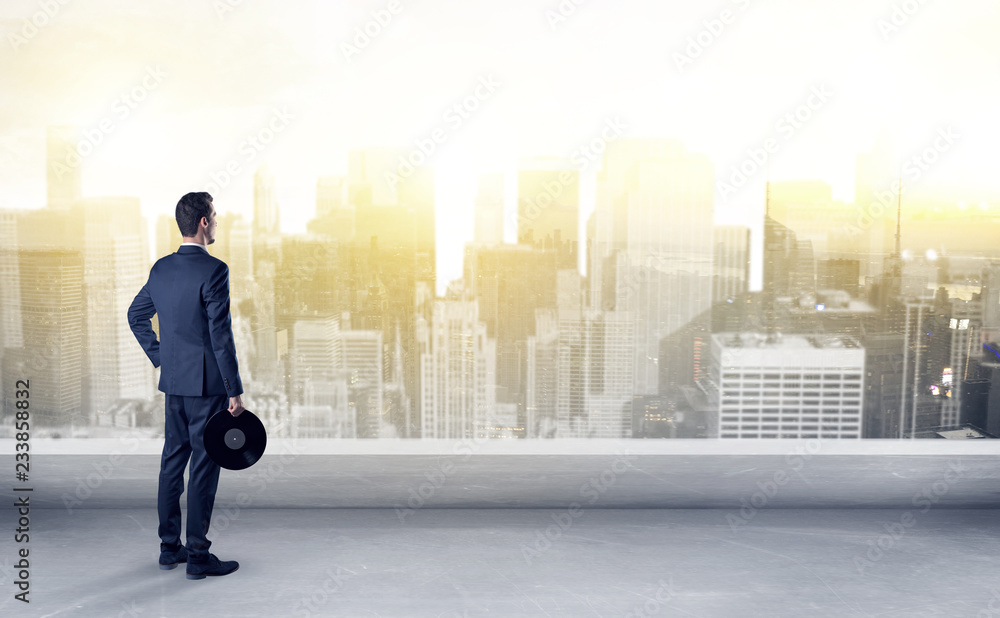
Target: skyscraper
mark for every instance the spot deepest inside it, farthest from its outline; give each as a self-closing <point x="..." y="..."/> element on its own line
<point x="609" y="231"/>
<point x="548" y="207"/>
<point x="664" y="223"/>
<point x="331" y="192"/>
<point x="53" y="314"/>
<point x="10" y="283"/>
<point x="457" y="371"/>
<point x="62" y="165"/>
<point x="265" y="204"/>
<point x="731" y="262"/>
<point x="510" y="283"/>
<point x="115" y="267"/>
<point x="335" y="217"/>
<point x="808" y="209"/>
<point x="876" y="187"/>
<point x="489" y="210"/>
<point x="394" y="203"/>
<point x="363" y="362"/>
<point x="316" y="354"/>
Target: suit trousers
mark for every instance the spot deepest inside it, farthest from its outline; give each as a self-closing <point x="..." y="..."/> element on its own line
<point x="185" y="420"/>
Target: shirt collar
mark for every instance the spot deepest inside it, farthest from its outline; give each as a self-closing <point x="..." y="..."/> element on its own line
<point x="195" y="244"/>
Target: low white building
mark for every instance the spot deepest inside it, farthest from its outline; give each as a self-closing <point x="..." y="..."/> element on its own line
<point x="791" y="386"/>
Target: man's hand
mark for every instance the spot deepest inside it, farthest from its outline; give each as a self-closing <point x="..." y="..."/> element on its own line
<point x="236" y="405"/>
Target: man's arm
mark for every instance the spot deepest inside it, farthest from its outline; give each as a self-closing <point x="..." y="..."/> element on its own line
<point x="220" y="328"/>
<point x="140" y="315"/>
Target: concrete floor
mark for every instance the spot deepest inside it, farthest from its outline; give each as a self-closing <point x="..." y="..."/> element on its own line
<point x="523" y="562"/>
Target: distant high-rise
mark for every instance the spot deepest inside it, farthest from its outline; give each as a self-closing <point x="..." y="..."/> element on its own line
<point x="579" y="375"/>
<point x="372" y="177"/>
<point x="919" y="409"/>
<point x="10" y="283"/>
<point x="489" y="209"/>
<point x="548" y="207"/>
<point x="53" y="318"/>
<point x="731" y="262"/>
<point x="663" y="228"/>
<point x="808" y="209"/>
<point x="794" y="386"/>
<point x="875" y="196"/>
<point x="990" y="296"/>
<point x="331" y="192"/>
<point x="510" y="283"/>
<point x="335" y="217"/>
<point x="394" y="204"/>
<point x="316" y="354"/>
<point x="789" y="262"/>
<point x="265" y="204"/>
<point x="390" y="255"/>
<point x="578" y="382"/>
<point x="609" y="230"/>
<point x="115" y="249"/>
<point x="457" y="371"/>
<point x="363" y="363"/>
<point x="883" y="385"/>
<point x="62" y="167"/>
<point x="238" y="245"/>
<point x="320" y="398"/>
<point x="964" y="324"/>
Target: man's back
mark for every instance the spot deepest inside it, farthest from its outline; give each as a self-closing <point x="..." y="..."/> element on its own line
<point x="189" y="292"/>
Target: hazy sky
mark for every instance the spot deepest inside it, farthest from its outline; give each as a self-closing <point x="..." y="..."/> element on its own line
<point x="213" y="73"/>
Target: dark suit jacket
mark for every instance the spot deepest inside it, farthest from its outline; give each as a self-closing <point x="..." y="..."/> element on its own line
<point x="189" y="291"/>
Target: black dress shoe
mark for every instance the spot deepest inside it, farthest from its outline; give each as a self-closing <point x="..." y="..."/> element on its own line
<point x="212" y="566"/>
<point x="170" y="559"/>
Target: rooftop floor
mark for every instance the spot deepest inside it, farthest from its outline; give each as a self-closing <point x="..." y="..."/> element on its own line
<point x="450" y="563"/>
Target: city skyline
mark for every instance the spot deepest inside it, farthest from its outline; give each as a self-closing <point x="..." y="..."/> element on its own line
<point x="343" y="336"/>
<point x="543" y="81"/>
<point x="540" y="236"/>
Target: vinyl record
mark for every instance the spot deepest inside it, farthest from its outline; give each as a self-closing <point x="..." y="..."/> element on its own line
<point x="235" y="443"/>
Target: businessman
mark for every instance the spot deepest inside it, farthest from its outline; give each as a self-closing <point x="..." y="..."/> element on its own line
<point x="189" y="292"/>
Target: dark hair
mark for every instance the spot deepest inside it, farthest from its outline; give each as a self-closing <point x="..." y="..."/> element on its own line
<point x="190" y="210"/>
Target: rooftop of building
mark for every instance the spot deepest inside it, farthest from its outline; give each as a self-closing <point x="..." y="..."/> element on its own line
<point x="777" y="340"/>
